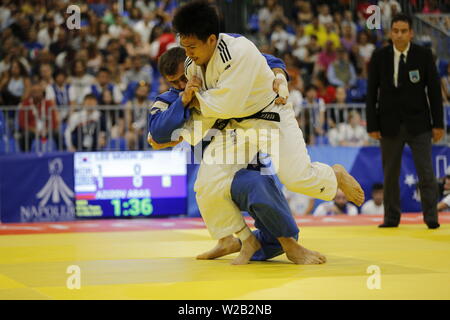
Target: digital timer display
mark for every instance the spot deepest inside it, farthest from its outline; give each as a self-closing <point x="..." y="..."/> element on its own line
<point x="132" y="207"/>
<point x="130" y="184"/>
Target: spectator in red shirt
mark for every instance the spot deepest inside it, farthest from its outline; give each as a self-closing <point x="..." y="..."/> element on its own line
<point x="38" y="118"/>
<point x="324" y="90"/>
<point x="431" y="6"/>
<point x="362" y="8"/>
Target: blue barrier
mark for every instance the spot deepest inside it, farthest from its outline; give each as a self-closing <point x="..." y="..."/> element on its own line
<point x="40" y="187"/>
<point x="37" y="187"/>
<point x="364" y="163"/>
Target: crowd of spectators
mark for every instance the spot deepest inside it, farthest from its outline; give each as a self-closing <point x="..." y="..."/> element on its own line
<point x="327" y="47"/>
<point x="110" y="61"/>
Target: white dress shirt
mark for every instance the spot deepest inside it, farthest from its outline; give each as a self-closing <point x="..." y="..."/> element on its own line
<point x="397" y="59"/>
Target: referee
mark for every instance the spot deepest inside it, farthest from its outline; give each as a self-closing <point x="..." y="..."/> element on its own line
<point x="404" y="105"/>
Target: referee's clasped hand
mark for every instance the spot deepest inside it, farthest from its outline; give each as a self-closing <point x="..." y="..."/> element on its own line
<point x="375" y="135"/>
<point x="438" y="133"/>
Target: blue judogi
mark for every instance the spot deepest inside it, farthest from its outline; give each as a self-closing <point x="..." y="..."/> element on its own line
<point x="260" y="196"/>
<point x="162" y="124"/>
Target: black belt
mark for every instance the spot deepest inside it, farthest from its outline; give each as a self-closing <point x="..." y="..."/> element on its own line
<point x="220" y="124"/>
<point x="269" y="116"/>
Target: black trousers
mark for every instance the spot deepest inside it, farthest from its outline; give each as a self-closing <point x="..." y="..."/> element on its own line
<point x="391" y="150"/>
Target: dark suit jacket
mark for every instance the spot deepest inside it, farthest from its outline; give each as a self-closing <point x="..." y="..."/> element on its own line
<point x="417" y="103"/>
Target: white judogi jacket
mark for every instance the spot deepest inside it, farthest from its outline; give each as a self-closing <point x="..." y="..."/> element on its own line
<point x="237" y="82"/>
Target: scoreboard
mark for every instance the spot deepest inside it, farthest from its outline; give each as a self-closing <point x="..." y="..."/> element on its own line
<point x="130" y="184"/>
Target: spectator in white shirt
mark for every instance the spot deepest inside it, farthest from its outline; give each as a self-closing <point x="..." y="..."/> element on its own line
<point x="115" y="30"/>
<point x="138" y="72"/>
<point x="46" y="74"/>
<point x="375" y="205"/>
<point x="444" y="204"/>
<point x="266" y="16"/>
<point x="144" y="27"/>
<point x="103" y="83"/>
<point x="136" y="112"/>
<point x="59" y="92"/>
<point x="444" y="187"/>
<point x="315" y="110"/>
<point x="46" y="36"/>
<point x="365" y="48"/>
<point x="348" y="19"/>
<point x="338" y="206"/>
<point x="349" y="134"/>
<point x="300" y="40"/>
<point x="104" y="37"/>
<point x="296" y="98"/>
<point x="83" y="127"/>
<point x="386" y="8"/>
<point x="324" y="16"/>
<point x="80" y="82"/>
<point x="280" y="38"/>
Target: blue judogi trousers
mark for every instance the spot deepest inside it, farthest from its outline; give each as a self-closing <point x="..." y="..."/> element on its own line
<point x="260" y="196"/>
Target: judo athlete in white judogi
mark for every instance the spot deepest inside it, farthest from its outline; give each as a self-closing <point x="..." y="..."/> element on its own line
<point x="263" y="200"/>
<point x="231" y="81"/>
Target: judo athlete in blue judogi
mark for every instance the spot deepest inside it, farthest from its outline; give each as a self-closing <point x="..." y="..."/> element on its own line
<point x="251" y="192"/>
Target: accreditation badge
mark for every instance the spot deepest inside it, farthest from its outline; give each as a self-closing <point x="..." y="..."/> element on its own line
<point x="88" y="141"/>
<point x="414" y="76"/>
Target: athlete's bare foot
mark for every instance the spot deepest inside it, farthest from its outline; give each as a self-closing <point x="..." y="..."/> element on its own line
<point x="249" y="247"/>
<point x="351" y="188"/>
<point x="300" y="255"/>
<point x="225" y="246"/>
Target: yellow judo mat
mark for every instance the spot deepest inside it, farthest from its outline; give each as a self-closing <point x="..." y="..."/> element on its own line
<point x="364" y="262"/>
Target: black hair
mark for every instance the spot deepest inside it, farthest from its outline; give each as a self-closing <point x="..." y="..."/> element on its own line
<point x="402" y="17"/>
<point x="103" y="70"/>
<point x="36" y="82"/>
<point x="197" y="18"/>
<point x="58" y="72"/>
<point x="23" y="71"/>
<point x="310" y="87"/>
<point x="83" y="63"/>
<point x="322" y="77"/>
<point x="377" y="187"/>
<point x="90" y="96"/>
<point x="170" y="60"/>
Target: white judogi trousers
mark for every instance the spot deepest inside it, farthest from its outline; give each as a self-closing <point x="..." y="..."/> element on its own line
<point x="285" y="144"/>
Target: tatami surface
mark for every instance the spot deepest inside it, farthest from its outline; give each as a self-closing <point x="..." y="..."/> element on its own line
<point x="414" y="263"/>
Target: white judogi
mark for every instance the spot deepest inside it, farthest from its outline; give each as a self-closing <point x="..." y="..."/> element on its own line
<point x="238" y="83"/>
